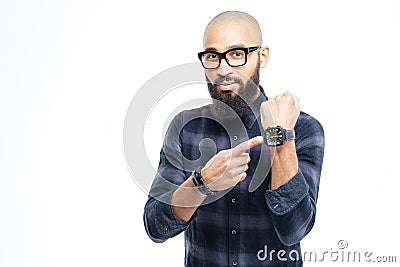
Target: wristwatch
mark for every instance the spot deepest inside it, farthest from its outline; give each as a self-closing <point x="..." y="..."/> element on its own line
<point x="277" y="136"/>
<point x="200" y="184"/>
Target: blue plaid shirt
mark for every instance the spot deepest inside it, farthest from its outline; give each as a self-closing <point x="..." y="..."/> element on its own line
<point x="241" y="228"/>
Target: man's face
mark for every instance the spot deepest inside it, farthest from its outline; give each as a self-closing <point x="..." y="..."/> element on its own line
<point x="235" y="86"/>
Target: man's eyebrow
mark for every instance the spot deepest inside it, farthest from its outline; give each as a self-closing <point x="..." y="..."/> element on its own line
<point x="213" y="49"/>
<point x="210" y="49"/>
<point x="238" y="45"/>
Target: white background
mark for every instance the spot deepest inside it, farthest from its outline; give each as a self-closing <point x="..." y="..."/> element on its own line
<point x="69" y="69"/>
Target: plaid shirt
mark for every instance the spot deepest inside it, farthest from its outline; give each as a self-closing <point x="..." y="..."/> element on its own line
<point x="240" y="228"/>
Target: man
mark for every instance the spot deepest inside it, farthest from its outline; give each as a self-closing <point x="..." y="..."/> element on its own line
<point x="240" y="176"/>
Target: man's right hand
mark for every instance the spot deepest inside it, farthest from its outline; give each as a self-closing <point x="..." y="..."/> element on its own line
<point x="228" y="167"/>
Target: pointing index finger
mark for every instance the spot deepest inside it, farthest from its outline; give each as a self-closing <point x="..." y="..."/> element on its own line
<point x="246" y="145"/>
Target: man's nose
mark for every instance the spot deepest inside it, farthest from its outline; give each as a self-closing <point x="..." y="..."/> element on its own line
<point x="224" y="69"/>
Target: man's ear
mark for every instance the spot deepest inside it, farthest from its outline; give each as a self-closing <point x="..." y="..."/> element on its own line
<point x="264" y="56"/>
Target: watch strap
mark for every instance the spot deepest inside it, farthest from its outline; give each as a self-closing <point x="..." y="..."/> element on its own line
<point x="200" y="184"/>
<point x="290" y="135"/>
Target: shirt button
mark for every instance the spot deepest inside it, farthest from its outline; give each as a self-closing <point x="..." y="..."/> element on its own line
<point x="233" y="200"/>
<point x="165" y="229"/>
<point x="234" y="137"/>
<point x="233" y="232"/>
<point x="234" y="263"/>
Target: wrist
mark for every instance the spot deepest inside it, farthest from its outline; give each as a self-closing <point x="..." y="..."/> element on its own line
<point x="200" y="183"/>
<point x="206" y="177"/>
<point x="288" y="145"/>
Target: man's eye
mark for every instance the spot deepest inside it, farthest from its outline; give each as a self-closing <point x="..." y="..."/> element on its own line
<point x="237" y="54"/>
<point x="211" y="57"/>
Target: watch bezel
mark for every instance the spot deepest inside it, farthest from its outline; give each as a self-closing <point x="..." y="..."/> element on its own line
<point x="267" y="133"/>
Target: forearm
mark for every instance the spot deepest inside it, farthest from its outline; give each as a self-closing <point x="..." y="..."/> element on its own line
<point x="186" y="199"/>
<point x="295" y="172"/>
<point x="284" y="164"/>
<point x="293" y="211"/>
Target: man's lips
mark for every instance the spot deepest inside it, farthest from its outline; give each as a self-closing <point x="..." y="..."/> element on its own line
<point x="227" y="86"/>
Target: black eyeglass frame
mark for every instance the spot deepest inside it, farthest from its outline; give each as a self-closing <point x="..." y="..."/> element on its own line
<point x="221" y="56"/>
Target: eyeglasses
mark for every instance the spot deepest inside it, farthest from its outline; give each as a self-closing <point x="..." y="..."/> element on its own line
<point x="235" y="57"/>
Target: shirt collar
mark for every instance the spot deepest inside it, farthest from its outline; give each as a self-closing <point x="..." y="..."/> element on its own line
<point x="251" y="118"/>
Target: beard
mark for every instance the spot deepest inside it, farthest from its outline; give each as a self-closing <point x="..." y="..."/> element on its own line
<point x="230" y="105"/>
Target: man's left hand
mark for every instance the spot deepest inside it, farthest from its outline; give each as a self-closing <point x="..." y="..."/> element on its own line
<point x="283" y="110"/>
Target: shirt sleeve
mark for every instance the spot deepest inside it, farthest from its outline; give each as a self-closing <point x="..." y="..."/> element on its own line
<point x="293" y="205"/>
<point x="161" y="222"/>
<point x="159" y="218"/>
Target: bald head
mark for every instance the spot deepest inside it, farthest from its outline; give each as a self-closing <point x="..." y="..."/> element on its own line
<point x="237" y="20"/>
<point x="233" y="44"/>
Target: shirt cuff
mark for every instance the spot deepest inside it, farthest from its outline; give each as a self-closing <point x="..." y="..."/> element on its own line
<point x="167" y="223"/>
<point x="283" y="199"/>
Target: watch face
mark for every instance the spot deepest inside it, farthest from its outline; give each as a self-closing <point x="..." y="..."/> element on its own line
<point x="274" y="136"/>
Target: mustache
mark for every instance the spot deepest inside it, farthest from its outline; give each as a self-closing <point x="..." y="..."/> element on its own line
<point x="222" y="79"/>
